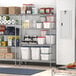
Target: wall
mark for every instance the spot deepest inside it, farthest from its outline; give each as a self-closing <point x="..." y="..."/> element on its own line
<point x="65" y="47"/>
<point x="20" y="2"/>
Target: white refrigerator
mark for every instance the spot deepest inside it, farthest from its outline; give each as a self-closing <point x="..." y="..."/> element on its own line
<point x="65" y="25"/>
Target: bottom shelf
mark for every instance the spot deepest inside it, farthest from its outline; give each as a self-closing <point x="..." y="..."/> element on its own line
<point x="41" y="61"/>
<point x="9" y="60"/>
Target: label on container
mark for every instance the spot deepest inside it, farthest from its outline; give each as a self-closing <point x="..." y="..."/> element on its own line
<point x="47" y="10"/>
<point x="28" y="12"/>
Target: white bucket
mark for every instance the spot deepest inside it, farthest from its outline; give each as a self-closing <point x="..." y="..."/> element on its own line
<point x="41" y="40"/>
<point x="45" y="56"/>
<point x="35" y="52"/>
<point x="25" y="51"/>
<point x="46" y="25"/>
<point x="45" y="50"/>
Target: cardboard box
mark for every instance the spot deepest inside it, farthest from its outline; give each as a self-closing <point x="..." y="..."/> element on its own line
<point x="14" y="10"/>
<point x="5" y="50"/>
<point x="2" y="55"/>
<point x="3" y="10"/>
<point x="9" y="56"/>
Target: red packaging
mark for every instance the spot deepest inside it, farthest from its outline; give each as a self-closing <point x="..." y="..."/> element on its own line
<point x="49" y="10"/>
<point x="42" y="10"/>
<point x="46" y="10"/>
<point x="2" y="27"/>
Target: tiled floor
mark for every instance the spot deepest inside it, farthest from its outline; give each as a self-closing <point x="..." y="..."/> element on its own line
<point x="23" y="66"/>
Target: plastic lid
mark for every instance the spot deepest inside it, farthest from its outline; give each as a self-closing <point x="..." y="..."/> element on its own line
<point x="44" y="30"/>
<point x="41" y="37"/>
<point x="47" y="22"/>
<point x="28" y="4"/>
<point x="51" y="16"/>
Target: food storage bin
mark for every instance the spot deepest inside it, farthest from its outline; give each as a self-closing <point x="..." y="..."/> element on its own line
<point x="43" y="32"/>
<point x="42" y="10"/>
<point x="45" y="57"/>
<point x="34" y="10"/>
<point x="48" y="39"/>
<point x="28" y="8"/>
<point x="53" y="39"/>
<point x="49" y="10"/>
<point x="39" y="25"/>
<point x="46" y="24"/>
<point x="25" y="53"/>
<point x="41" y="40"/>
<point x="51" y="18"/>
<point x="45" y="50"/>
<point x="23" y="8"/>
<point x="35" y="53"/>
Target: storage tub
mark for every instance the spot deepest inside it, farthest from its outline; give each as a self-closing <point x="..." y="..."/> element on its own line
<point x="46" y="25"/>
<point x="43" y="32"/>
<point x="39" y="25"/>
<point x="35" y="53"/>
<point x="25" y="52"/>
<point x="51" y="18"/>
<point x="48" y="39"/>
<point x="41" y="40"/>
<point x="45" y="57"/>
<point x="45" y="50"/>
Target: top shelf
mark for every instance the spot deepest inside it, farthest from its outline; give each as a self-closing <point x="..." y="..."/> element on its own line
<point x="26" y="14"/>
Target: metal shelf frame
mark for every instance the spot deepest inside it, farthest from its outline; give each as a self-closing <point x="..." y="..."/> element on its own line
<point x="28" y="45"/>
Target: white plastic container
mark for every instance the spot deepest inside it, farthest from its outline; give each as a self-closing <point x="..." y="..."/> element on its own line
<point x="41" y="40"/>
<point x="48" y="39"/>
<point x="34" y="10"/>
<point x="51" y="18"/>
<point x="45" y="50"/>
<point x="43" y="32"/>
<point x="45" y="57"/>
<point x="46" y="24"/>
<point x="53" y="41"/>
<point x="38" y="25"/>
<point x="35" y="53"/>
<point x="25" y="51"/>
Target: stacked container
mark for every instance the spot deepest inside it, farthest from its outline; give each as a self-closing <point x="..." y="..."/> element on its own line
<point x="46" y="24"/>
<point x="41" y="40"/>
<point x="35" y="51"/>
<point x="25" y="52"/>
<point x="45" y="53"/>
